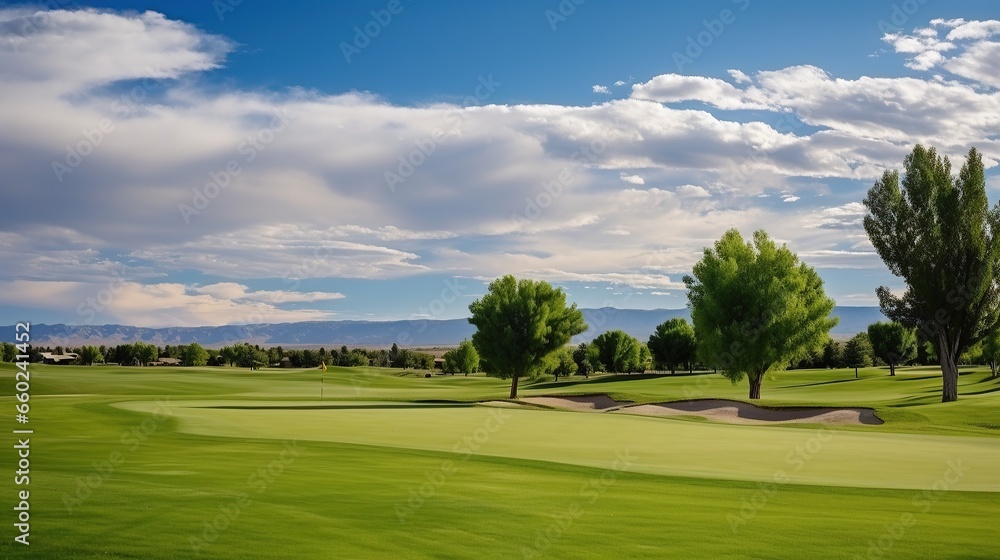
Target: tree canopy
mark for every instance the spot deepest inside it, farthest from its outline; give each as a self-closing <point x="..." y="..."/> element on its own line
<point x="463" y="359"/>
<point x="617" y="352"/>
<point x="858" y="352"/>
<point x="673" y="344"/>
<point x="90" y="354"/>
<point x="755" y="307"/>
<point x="892" y="343"/>
<point x="519" y="323"/>
<point x="194" y="355"/>
<point x="938" y="233"/>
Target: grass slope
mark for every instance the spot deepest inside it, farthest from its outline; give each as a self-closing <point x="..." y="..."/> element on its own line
<point x="116" y="483"/>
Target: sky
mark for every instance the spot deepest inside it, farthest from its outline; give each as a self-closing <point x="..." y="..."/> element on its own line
<point x="236" y="161"/>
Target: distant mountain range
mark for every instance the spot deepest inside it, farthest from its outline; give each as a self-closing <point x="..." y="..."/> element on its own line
<point x="639" y="323"/>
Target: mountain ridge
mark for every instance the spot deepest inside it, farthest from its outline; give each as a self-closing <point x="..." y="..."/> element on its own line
<point x="639" y="323"/>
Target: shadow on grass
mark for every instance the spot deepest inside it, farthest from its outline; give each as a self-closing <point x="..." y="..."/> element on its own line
<point x="615" y="378"/>
<point x="343" y="405"/>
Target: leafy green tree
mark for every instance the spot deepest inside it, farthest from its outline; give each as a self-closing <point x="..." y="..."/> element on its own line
<point x="193" y="355"/>
<point x="463" y="359"/>
<point x="673" y="344"/>
<point x="519" y="323"/>
<point x="755" y="307"/>
<point x="249" y="357"/>
<point x="645" y="358"/>
<point x="8" y="352"/>
<point x="618" y="351"/>
<point x="228" y="353"/>
<point x="558" y="363"/>
<point x="583" y="365"/>
<point x="144" y="353"/>
<point x="938" y="233"/>
<point x="832" y="353"/>
<point x="892" y="343"/>
<point x="991" y="350"/>
<point x="858" y="352"/>
<point x="90" y="354"/>
<point x="357" y="358"/>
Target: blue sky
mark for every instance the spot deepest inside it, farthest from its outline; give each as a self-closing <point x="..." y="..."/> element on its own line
<point x="181" y="163"/>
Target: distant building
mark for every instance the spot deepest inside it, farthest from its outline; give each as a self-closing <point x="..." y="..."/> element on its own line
<point x="285" y="362"/>
<point x="167" y="362"/>
<point x="59" y="359"/>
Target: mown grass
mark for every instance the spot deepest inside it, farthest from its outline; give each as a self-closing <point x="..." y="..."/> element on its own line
<point x="544" y="484"/>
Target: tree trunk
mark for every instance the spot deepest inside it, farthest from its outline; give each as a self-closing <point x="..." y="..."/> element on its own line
<point x="671" y="370"/>
<point x="855" y="373"/>
<point x="513" y="387"/>
<point x="755" y="385"/>
<point x="949" y="376"/>
<point x="892" y="370"/>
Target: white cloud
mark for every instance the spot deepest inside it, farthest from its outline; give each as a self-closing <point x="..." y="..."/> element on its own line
<point x="849" y="215"/>
<point x="508" y="189"/>
<point x="620" y="83"/>
<point x="739" y="77"/>
<point x="790" y="198"/>
<point x="634" y="179"/>
<point x="234" y="291"/>
<point x="692" y="191"/>
<point x="150" y="305"/>
<point x="601" y="89"/>
<point x="968" y="49"/>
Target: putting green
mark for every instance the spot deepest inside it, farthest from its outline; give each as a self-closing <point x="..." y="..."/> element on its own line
<point x="821" y="456"/>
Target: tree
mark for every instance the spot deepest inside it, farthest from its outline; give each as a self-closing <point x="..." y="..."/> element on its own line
<point x="558" y="363"/>
<point x="991" y="350"/>
<point x="858" y="352"/>
<point x="228" y="353"/>
<point x="617" y="351"/>
<point x="755" y="307"/>
<point x="892" y="343"/>
<point x="583" y="365"/>
<point x="463" y="359"/>
<point x="673" y="344"/>
<point x="938" y="233"/>
<point x="193" y="355"/>
<point x="357" y="358"/>
<point x="8" y="352"/>
<point x="565" y="365"/>
<point x="90" y="354"/>
<point x="144" y="353"/>
<point x="520" y="322"/>
<point x="832" y="353"/>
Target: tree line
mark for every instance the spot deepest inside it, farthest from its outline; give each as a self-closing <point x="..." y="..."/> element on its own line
<point x="235" y="355"/>
<point x="755" y="307"/>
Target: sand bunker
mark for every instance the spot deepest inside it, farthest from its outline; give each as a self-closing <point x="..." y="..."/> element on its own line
<point x="582" y="402"/>
<point x="502" y="404"/>
<point x="735" y="412"/>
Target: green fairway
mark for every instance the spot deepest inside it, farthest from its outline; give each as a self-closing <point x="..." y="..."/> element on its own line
<point x="224" y="463"/>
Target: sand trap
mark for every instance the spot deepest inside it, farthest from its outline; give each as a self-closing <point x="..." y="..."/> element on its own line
<point x="580" y="403"/>
<point x="502" y="404"/>
<point x="735" y="412"/>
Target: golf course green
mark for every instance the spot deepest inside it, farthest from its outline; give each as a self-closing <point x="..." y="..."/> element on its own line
<point x="219" y="462"/>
